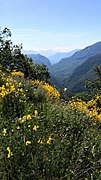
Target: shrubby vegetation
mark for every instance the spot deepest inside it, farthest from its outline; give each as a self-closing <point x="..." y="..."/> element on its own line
<point x="43" y="137"/>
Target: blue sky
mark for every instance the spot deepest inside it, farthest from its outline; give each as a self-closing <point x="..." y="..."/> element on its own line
<point x="61" y="25"/>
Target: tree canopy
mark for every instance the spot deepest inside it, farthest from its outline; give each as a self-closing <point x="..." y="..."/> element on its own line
<point x="12" y="58"/>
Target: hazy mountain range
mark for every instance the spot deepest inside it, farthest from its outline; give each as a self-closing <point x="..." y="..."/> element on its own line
<point x="52" y="55"/>
<point x="68" y="72"/>
<point x="72" y="71"/>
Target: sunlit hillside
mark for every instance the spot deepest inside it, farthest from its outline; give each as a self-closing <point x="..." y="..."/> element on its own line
<point x="43" y="133"/>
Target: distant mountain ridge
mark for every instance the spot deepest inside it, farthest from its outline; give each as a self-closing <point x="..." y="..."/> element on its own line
<point x="89" y="51"/>
<point x="39" y="59"/>
<point x="47" y="53"/>
<point x="65" y="67"/>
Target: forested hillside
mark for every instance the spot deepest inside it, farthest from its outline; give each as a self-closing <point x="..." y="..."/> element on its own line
<point x="64" y="69"/>
<point x="83" y="73"/>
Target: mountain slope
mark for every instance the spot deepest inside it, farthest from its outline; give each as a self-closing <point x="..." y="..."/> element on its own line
<point x="58" y="56"/>
<point x="39" y="59"/>
<point x="63" y="69"/>
<point x="82" y="73"/>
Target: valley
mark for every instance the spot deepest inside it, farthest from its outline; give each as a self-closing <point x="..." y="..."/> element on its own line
<point x="73" y="71"/>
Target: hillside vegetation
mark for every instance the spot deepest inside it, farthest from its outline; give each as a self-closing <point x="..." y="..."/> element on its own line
<point x="83" y="73"/>
<point x="42" y="136"/>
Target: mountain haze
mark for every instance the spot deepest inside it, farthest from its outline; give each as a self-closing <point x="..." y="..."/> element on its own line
<point x="58" y="56"/>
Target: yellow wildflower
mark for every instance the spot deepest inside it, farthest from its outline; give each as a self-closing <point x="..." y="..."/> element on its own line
<point x="20" y="84"/>
<point x="7" y="84"/>
<point x="29" y="126"/>
<point x="40" y="142"/>
<point x="28" y="117"/>
<point x="28" y="142"/>
<point x="35" y="113"/>
<point x="49" y="141"/>
<point x="5" y="132"/>
<point x="35" y="128"/>
<point x="18" y="127"/>
<point x="36" y="82"/>
<point x="20" y="90"/>
<point x="9" y="152"/>
<point x="12" y="88"/>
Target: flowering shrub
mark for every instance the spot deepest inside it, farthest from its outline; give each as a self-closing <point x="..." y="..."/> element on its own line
<point x="19" y="73"/>
<point x="50" y="90"/>
<point x="92" y="108"/>
<point x="12" y="96"/>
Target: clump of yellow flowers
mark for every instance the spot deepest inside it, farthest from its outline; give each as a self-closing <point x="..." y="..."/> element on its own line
<point x="10" y="84"/>
<point x="17" y="73"/>
<point x="51" y="91"/>
<point x="91" y="108"/>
